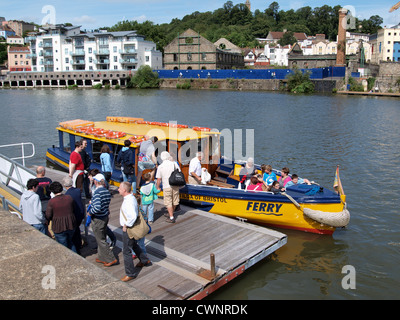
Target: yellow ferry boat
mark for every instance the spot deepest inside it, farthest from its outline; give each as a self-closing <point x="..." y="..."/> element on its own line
<point x="309" y="208"/>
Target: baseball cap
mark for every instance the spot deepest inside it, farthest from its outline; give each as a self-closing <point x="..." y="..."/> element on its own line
<point x="98" y="177"/>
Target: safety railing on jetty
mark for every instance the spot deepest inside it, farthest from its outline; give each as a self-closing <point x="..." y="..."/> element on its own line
<point x="14" y="176"/>
<point x="23" y="155"/>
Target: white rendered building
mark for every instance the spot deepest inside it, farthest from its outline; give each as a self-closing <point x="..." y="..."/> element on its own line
<point x="62" y="48"/>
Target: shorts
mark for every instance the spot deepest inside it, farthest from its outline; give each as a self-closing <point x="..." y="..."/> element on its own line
<point x="146" y="165"/>
<point x="171" y="196"/>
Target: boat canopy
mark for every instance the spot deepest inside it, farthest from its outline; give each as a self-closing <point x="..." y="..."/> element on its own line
<point x="136" y="130"/>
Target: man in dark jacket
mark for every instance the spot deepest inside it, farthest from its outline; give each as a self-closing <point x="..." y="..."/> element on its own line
<point x="87" y="161"/>
<point x="126" y="159"/>
<point x="79" y="211"/>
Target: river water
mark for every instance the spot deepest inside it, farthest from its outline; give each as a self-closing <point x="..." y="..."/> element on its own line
<point x="309" y="134"/>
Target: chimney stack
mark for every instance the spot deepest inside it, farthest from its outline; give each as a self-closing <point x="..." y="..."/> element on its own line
<point x="341" y="47"/>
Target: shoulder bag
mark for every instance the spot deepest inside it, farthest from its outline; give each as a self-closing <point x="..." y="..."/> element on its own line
<point x="139" y="229"/>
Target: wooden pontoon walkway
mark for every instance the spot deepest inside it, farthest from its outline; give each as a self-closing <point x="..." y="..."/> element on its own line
<point x="180" y="252"/>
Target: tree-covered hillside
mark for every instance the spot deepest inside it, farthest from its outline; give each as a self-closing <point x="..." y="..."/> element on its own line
<point x="240" y="26"/>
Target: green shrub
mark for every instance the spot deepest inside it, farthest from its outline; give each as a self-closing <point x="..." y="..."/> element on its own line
<point x="299" y="82"/>
<point x="97" y="86"/>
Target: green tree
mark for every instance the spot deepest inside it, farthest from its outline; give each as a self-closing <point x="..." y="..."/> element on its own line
<point x="144" y="78"/>
<point x="287" y="38"/>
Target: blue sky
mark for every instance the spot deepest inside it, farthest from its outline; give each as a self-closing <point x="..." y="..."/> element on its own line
<point x="92" y="14"/>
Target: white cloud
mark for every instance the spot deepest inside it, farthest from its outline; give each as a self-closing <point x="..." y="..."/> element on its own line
<point x="84" y="19"/>
<point x="141" y="18"/>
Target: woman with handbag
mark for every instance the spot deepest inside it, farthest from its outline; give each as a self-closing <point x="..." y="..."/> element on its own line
<point x="133" y="230"/>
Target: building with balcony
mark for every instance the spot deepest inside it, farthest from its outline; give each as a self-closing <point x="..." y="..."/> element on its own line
<point x="71" y="50"/>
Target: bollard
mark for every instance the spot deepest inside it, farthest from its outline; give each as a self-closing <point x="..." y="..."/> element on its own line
<point x="212" y="262"/>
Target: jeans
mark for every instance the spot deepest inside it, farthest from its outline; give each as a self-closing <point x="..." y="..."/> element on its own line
<point x="148" y="210"/>
<point x="128" y="245"/>
<point x="140" y="242"/>
<point x="41" y="227"/>
<point x="65" y="238"/>
<point x="130" y="178"/>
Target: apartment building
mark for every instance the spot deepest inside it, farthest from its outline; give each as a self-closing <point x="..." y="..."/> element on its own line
<point x="65" y="48"/>
<point x="386" y="45"/>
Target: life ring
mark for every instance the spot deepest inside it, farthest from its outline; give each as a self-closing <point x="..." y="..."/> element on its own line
<point x="201" y="129"/>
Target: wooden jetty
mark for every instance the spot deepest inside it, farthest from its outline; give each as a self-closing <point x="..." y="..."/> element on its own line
<point x="371" y="94"/>
<point x="190" y="258"/>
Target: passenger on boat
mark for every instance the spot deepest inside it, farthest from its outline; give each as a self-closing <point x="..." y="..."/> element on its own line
<point x="296" y="180"/>
<point x="285" y="178"/>
<point x="255" y="184"/>
<point x="275" y="188"/>
<point x="105" y="159"/>
<point x="268" y="175"/>
<point x="195" y="169"/>
<point x="126" y="159"/>
<point x="147" y="158"/>
<point x="247" y="172"/>
<point x="76" y="166"/>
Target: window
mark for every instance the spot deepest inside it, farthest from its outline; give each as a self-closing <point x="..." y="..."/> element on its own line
<point x="147" y="58"/>
<point x="16" y="63"/>
<point x="66" y="50"/>
<point x="90" y="50"/>
<point x="115" y="58"/>
<point x="189" y="56"/>
<point x="175" y="57"/>
<point x="115" y="49"/>
<point x="204" y="56"/>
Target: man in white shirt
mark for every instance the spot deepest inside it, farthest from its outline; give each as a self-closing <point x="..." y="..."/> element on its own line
<point x="127" y="217"/>
<point x="195" y="169"/>
<point x="171" y="193"/>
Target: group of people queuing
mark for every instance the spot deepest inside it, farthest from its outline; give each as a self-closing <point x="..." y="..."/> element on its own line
<point x="59" y="213"/>
<point x="251" y="180"/>
<point x="49" y="209"/>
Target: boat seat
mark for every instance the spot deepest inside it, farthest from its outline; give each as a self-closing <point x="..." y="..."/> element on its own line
<point x="221" y="184"/>
<point x="223" y="172"/>
<point x="220" y="179"/>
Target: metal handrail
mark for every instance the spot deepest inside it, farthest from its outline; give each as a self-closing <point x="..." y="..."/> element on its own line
<point x="23" y="157"/>
<point x="14" y="175"/>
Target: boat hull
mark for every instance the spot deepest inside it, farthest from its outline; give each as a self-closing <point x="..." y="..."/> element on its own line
<point x="261" y="208"/>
